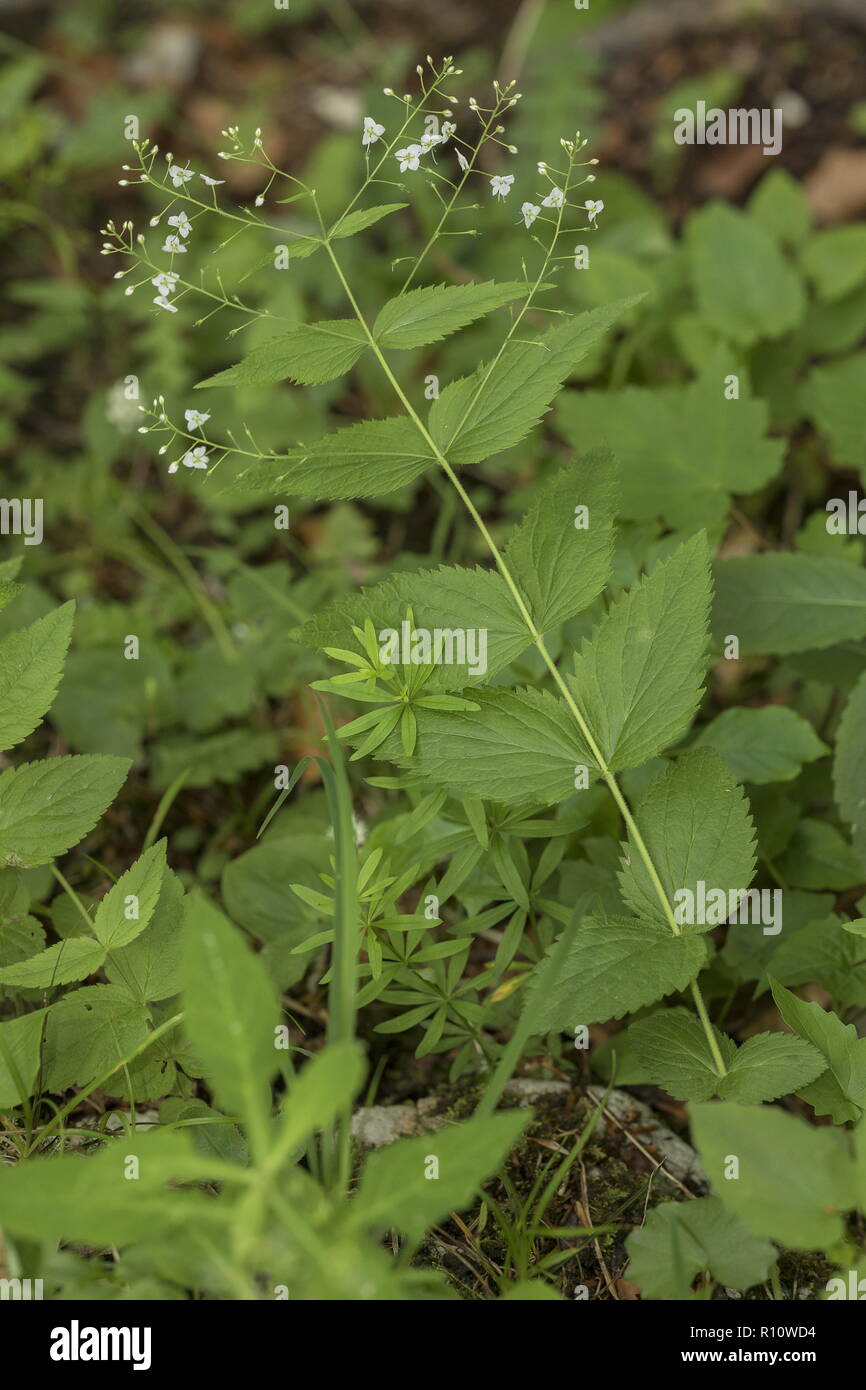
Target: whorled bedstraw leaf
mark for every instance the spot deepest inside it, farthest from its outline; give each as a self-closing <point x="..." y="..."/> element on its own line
<point x="777" y="604"/>
<point x="680" y="1240"/>
<point x="560" y="553"/>
<point x="520" y="746"/>
<point x="396" y="1193"/>
<point x="794" y="1181"/>
<point x="769" y="1065"/>
<point x="310" y="354"/>
<point x="368" y="459"/>
<point x="638" y="678"/>
<point x="849" y="767"/>
<point x="502" y="401"/>
<point x="696" y="825"/>
<point x="745" y="288"/>
<point x="455" y="602"/>
<point x="72" y="959"/>
<point x="770" y="744"/>
<point x="230" y="1012"/>
<point x="429" y="315"/>
<point x="31" y="663"/>
<point x="674" y="1053"/>
<point x="615" y="966"/>
<point x="844" y="1052"/>
<point x="47" y="807"/>
<point x="129" y="904"/>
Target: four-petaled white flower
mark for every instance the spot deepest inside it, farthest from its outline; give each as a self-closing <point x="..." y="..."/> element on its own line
<point x="372" y="131"/>
<point x="554" y="199"/>
<point x="462" y="161"/>
<point x="501" y="185"/>
<point x="409" y="157"/>
<point x="164" y="304"/>
<point x="530" y="212"/>
<point x="197" y="457"/>
<point x="429" y="141"/>
<point x="179" y="176"/>
<point x="195" y="419"/>
<point x="165" y="282"/>
<point x="593" y="208"/>
<point x="182" y="222"/>
<point x="174" y="244"/>
<point x="211" y="183"/>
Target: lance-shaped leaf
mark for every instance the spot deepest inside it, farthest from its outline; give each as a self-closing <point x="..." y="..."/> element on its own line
<point x="47" y="807"/>
<point x="561" y="552"/>
<point x="369" y="459"/>
<point x="696" y="825"/>
<point x="502" y="401"/>
<point x="309" y="355"/>
<point x="777" y="604"/>
<point x="72" y="959"/>
<point x="615" y="966"/>
<point x="638" y="678"/>
<point x="429" y="315"/>
<point x="363" y="218"/>
<point x="149" y="966"/>
<point x="129" y="904"/>
<point x="844" y="1053"/>
<point x="31" y="663"/>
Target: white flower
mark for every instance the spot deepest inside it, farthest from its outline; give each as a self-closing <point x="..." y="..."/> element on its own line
<point x="164" y="304"/>
<point x="593" y="208"/>
<point x="501" y="185"/>
<point x="165" y="281"/>
<point x="195" y="419"/>
<point x="554" y="199"/>
<point x="197" y="457"/>
<point x="462" y="161"/>
<point x="448" y="129"/>
<point x="372" y="131"/>
<point x="211" y="183"/>
<point x="179" y="176"/>
<point x="182" y="222"/>
<point x="409" y="157"/>
<point x="174" y="244"/>
<point x="530" y="212"/>
<point x="429" y="141"/>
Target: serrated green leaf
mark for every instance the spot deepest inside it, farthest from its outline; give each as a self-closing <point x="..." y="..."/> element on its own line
<point x="615" y="966"/>
<point x="702" y="1236"/>
<point x="762" y="745"/>
<point x="73" y="959"/>
<point x="230" y="1015"/>
<point x="429" y="315"/>
<point x="769" y="1065"/>
<point x="674" y="1053"/>
<point x="561" y="556"/>
<point x="500" y="403"/>
<point x="638" y="679"/>
<point x="369" y="459"/>
<point x="793" y="1181"/>
<point x="849" y="766"/>
<point x="31" y="663"/>
<point x="149" y="967"/>
<point x="129" y="904"/>
<point x="520" y="746"/>
<point x="844" y="1052"/>
<point x="776" y="604"/>
<point x="396" y="1192"/>
<point x="744" y="286"/>
<point x="359" y="221"/>
<point x="20" y="1045"/>
<point x="88" y="1032"/>
<point x="682" y="451"/>
<point x="311" y="354"/>
<point x="47" y="807"/>
<point x="695" y="823"/>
